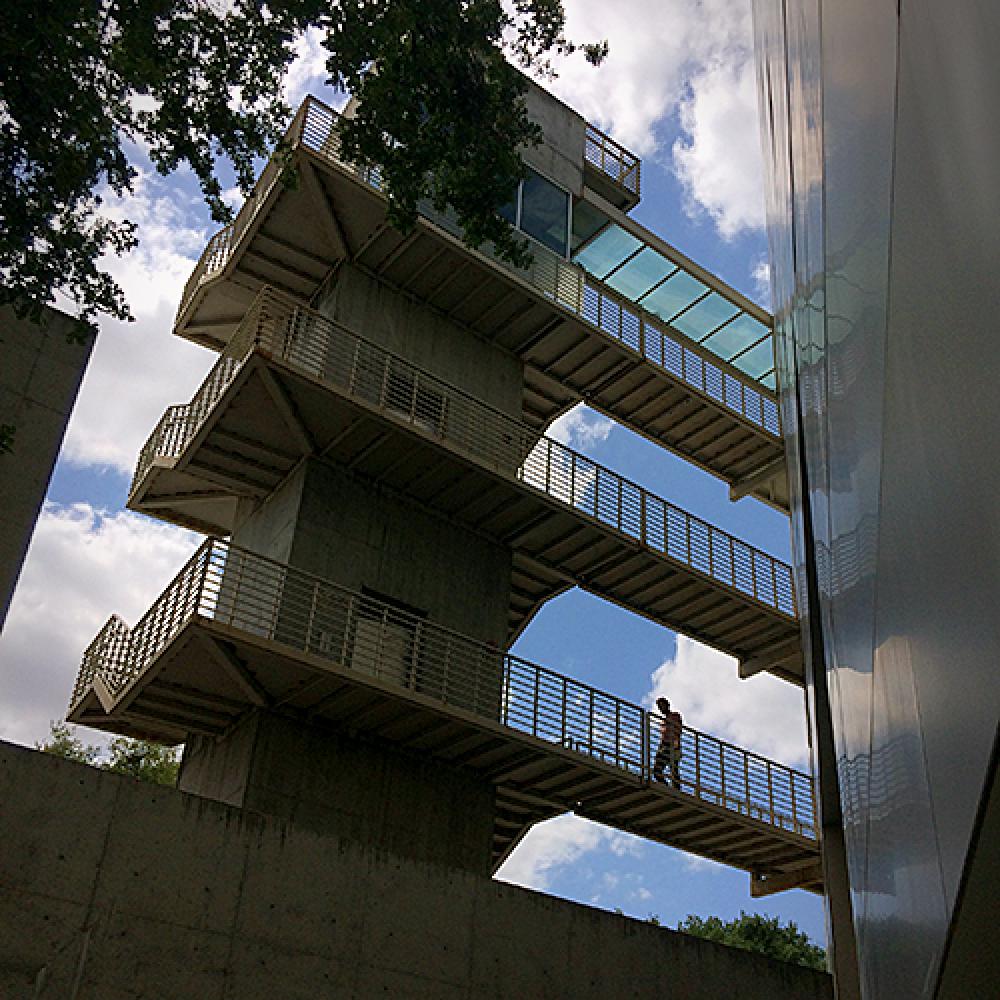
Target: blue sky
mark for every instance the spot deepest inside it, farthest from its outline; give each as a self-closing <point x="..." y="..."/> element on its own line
<point x="678" y="89"/>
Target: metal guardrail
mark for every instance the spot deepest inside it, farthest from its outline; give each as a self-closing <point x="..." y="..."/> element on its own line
<point x="255" y="595"/>
<point x="331" y="353"/>
<point x="612" y="159"/>
<point x="618" y="317"/>
<point x="315" y="129"/>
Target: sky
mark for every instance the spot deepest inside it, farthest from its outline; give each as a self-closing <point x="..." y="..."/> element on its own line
<point x="677" y="88"/>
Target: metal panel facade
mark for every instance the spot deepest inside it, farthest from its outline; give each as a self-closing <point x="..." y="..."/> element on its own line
<point x="881" y="140"/>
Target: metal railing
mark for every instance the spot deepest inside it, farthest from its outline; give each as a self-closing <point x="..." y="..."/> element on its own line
<point x="612" y="159"/>
<point x="638" y="329"/>
<point x="376" y="641"/>
<point x="362" y="370"/>
<point x="315" y="128"/>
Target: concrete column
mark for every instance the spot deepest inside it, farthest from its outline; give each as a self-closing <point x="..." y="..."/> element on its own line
<point x="341" y="785"/>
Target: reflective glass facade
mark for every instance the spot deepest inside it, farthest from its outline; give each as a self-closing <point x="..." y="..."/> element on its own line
<point x="881" y="143"/>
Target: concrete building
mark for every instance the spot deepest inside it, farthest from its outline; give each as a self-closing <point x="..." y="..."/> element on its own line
<point x="386" y="514"/>
<point x="881" y="137"/>
<point x="43" y="365"/>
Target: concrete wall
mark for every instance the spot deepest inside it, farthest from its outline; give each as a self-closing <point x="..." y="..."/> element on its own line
<point x="560" y="157"/>
<point x="40" y="374"/>
<point x="122" y="890"/>
<point x="424" y="337"/>
<point x="325" y="521"/>
<point x="335" y="784"/>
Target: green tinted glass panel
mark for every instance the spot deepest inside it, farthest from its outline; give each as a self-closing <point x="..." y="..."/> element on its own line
<point x="769" y="381"/>
<point x="736" y="336"/>
<point x="640" y="274"/>
<point x="757" y="360"/>
<point x="607" y="251"/>
<point x="703" y="318"/>
<point x="673" y="295"/>
<point x="545" y="213"/>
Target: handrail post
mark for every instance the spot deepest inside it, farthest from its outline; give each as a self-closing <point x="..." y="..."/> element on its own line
<point x="645" y="764"/>
<point x="508" y="667"/>
<point x="795" y="811"/>
<point x="697" y="764"/>
<point x="563" y="720"/>
<point x="770" y="792"/>
<point x="618" y="734"/>
<point x="534" y="713"/>
<point x="746" y="780"/>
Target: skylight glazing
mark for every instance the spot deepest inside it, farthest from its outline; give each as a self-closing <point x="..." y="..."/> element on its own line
<point x="650" y="279"/>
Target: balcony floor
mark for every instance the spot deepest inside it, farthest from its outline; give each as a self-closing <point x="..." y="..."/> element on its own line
<point x="298" y="236"/>
<point x="272" y="415"/>
<point x="210" y="673"/>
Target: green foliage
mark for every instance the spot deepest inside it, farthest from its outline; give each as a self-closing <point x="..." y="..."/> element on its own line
<point x="193" y="80"/>
<point x="755" y="932"/>
<point x="63" y="742"/>
<point x="141" y="759"/>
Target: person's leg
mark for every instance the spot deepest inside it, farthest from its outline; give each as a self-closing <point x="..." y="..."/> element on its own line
<point x="659" y="763"/>
<point x="675" y="768"/>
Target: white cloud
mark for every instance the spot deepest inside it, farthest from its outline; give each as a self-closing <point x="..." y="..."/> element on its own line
<point x="718" y="161"/>
<point x="138" y="369"/>
<point x="307" y="73"/>
<point x="83" y="566"/>
<point x="694" y="863"/>
<point x="558" y="843"/>
<point x="761" y="275"/>
<point x="637" y="85"/>
<point x="691" y="58"/>
<point x="762" y="713"/>
<point x="580" y="428"/>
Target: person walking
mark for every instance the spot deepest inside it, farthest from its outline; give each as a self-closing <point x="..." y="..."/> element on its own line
<point x="669" y="752"/>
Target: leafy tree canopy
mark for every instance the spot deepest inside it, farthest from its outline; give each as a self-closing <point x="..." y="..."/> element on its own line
<point x="141" y="759"/>
<point x="756" y="932"/>
<point x="195" y="80"/>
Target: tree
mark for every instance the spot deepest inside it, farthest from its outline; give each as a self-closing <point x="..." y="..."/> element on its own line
<point x="440" y="110"/>
<point x="63" y="742"/>
<point x="144" y="759"/>
<point x="141" y="759"/>
<point x="755" y="932"/>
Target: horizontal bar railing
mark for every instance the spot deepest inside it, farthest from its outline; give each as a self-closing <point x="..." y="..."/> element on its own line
<point x="315" y="128"/>
<point x="612" y="159"/>
<point x="365" y="371"/>
<point x="622" y="319"/>
<point x="254" y="595"/>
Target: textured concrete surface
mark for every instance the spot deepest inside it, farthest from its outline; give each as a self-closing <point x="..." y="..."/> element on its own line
<point x="40" y="374"/>
<point x="345" y="786"/>
<point x="423" y="336"/>
<point x="326" y="521"/>
<point x="112" y="889"/>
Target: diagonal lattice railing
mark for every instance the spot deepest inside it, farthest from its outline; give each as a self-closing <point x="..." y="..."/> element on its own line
<point x="329" y="352"/>
<point x="264" y="599"/>
<point x="314" y="128"/>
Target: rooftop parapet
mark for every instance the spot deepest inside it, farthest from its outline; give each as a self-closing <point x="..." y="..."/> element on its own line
<point x="235" y="629"/>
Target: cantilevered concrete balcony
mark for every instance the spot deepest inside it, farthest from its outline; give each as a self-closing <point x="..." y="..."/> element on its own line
<point x="580" y="339"/>
<point x="293" y="384"/>
<point x="612" y="170"/>
<point x="234" y="632"/>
